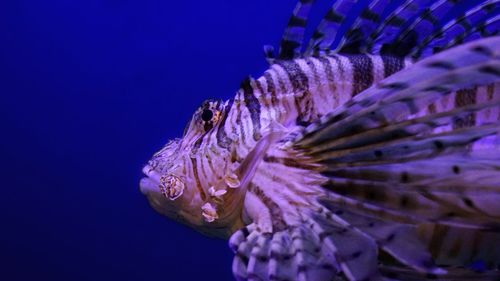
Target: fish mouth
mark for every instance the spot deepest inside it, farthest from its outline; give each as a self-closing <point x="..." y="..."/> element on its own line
<point x="150" y="187"/>
<point x="151" y="181"/>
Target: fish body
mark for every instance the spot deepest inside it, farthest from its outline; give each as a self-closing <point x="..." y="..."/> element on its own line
<point x="376" y="158"/>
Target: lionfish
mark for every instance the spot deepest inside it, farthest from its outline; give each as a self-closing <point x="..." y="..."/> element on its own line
<point x="369" y="154"/>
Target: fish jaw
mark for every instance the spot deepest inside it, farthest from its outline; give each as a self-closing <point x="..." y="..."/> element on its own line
<point x="190" y="209"/>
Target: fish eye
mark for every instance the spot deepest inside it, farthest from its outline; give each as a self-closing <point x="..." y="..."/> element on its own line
<point x="207" y="115"/>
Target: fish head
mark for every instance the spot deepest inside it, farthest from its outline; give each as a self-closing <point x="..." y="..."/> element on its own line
<point x="183" y="179"/>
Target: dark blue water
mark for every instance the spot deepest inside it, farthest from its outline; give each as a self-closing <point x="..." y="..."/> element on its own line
<point x="88" y="91"/>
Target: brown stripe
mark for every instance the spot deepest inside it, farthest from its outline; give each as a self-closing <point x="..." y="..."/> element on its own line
<point x="211" y="166"/>
<point x="300" y="84"/>
<point x="271" y="87"/>
<point x="432" y="108"/>
<point x="490" y="91"/>
<point x="476" y="244"/>
<point x="261" y="90"/>
<point x="239" y="124"/>
<point x="222" y="139"/>
<point x="289" y="162"/>
<point x="314" y="70"/>
<point x="253" y="105"/>
<point x="197" y="179"/>
<point x="438" y="236"/>
<point x="293" y="187"/>
<point x="297" y="77"/>
<point x="362" y="71"/>
<point x="328" y="69"/>
<point x="283" y="91"/>
<point x="392" y="64"/>
<point x="463" y="98"/>
<point x="277" y="219"/>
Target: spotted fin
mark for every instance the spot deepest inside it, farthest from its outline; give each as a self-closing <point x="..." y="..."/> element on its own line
<point x="454" y="246"/>
<point x="296" y="237"/>
<point x="410" y="90"/>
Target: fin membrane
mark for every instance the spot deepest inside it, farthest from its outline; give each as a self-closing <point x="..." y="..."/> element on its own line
<point x="413" y="27"/>
<point x="377" y="150"/>
<point x="291" y="43"/>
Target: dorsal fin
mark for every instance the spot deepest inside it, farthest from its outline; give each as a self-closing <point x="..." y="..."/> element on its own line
<point x="291" y="43"/>
<point x="269" y="54"/>
<point x="427" y="22"/>
<point x="325" y="34"/>
<point x="416" y="28"/>
<point x="479" y="18"/>
<point x="397" y="21"/>
<point x="368" y="20"/>
<point x="364" y="138"/>
<point x="489" y="28"/>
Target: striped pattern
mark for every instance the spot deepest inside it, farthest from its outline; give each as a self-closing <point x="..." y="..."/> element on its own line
<point x="427" y="21"/>
<point x="315" y="87"/>
<point x="411" y="28"/>
<point x="353" y="41"/>
<point x="383" y="28"/>
<point x="324" y="36"/>
<point x="314" y="84"/>
<point x="458" y="30"/>
<point x="359" y="125"/>
<point x="282" y="192"/>
<point x="396" y="22"/>
<point x="291" y="43"/>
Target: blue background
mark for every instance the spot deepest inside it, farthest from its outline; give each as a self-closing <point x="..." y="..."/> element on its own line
<point x="88" y="91"/>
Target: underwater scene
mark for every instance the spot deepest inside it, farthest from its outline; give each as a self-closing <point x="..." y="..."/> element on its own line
<point x="256" y="140"/>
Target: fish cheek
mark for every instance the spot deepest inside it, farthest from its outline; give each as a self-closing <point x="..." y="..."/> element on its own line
<point x="171" y="186"/>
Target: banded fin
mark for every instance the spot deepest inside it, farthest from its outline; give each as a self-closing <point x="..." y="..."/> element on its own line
<point x="374" y="149"/>
<point x="329" y="200"/>
<point x="325" y="243"/>
<point x="319" y="249"/>
<point x="291" y="43"/>
<point x="292" y="254"/>
<point x="427" y="21"/>
<point x="489" y="28"/>
<point x="402" y="193"/>
<point x="388" y="27"/>
<point x="269" y="54"/>
<point x="368" y="20"/>
<point x="452" y="246"/>
<point x="415" y="26"/>
<point x="326" y="32"/>
<point x="474" y="22"/>
<point x="406" y="128"/>
<point x="408" y="91"/>
<point x="399" y="240"/>
<point x="391" y="27"/>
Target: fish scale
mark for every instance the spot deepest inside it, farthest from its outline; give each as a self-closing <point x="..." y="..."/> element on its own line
<point x="356" y="156"/>
<point x="316" y="79"/>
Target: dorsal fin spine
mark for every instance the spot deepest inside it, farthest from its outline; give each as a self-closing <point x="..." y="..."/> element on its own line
<point x="293" y="37"/>
<point x="386" y="27"/>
